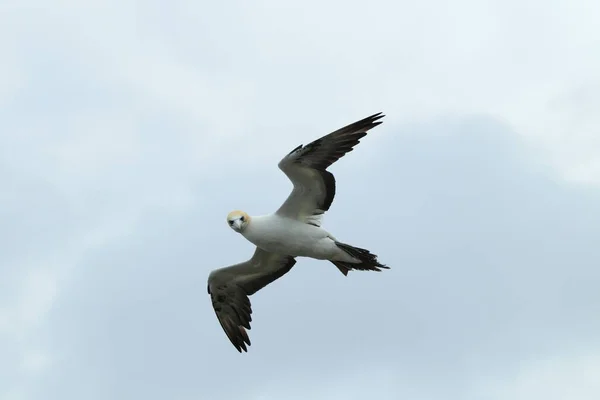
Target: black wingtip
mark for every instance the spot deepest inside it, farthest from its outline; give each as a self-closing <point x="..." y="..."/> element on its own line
<point x="241" y="343"/>
<point x="376" y="117"/>
<point x="363" y="125"/>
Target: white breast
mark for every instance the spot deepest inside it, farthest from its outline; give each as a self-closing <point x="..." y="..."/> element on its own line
<point x="287" y="236"/>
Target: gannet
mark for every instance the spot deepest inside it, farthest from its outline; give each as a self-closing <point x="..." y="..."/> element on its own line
<point x="294" y="230"/>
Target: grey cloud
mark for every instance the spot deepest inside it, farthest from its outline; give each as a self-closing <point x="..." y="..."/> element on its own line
<point x="494" y="259"/>
<point x="493" y="262"/>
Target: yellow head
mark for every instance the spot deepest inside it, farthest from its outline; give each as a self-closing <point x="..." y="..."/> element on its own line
<point x="238" y="220"/>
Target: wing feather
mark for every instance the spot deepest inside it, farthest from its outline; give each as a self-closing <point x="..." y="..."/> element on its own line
<point x="306" y="167"/>
<point x="230" y="288"/>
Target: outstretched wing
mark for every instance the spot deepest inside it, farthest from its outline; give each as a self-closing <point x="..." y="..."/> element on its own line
<point x="306" y="166"/>
<point x="229" y="288"/>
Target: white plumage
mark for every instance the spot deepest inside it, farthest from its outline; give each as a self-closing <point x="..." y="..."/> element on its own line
<point x="294" y="230"/>
<point x="283" y="235"/>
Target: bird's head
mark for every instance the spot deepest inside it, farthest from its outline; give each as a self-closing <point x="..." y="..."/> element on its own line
<point x="238" y="220"/>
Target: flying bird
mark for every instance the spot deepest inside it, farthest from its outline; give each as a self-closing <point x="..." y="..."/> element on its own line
<point x="294" y="230"/>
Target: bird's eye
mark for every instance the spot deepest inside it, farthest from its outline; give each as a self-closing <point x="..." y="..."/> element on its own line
<point x="230" y="222"/>
<point x="242" y="218"/>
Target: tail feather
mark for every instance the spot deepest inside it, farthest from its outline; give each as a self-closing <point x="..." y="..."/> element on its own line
<point x="342" y="267"/>
<point x="368" y="260"/>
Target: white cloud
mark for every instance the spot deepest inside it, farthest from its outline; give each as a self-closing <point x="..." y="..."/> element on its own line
<point x="13" y="394"/>
<point x="95" y="144"/>
<point x="559" y="377"/>
<point x="11" y="80"/>
<point x="20" y="322"/>
<point x="34" y="362"/>
<point x="379" y="382"/>
<point x="35" y="297"/>
<point x="266" y="70"/>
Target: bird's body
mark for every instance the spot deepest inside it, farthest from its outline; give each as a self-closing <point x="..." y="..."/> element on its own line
<point x="283" y="235"/>
<point x="294" y="230"/>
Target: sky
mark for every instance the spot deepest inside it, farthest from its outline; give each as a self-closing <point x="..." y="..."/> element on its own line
<point x="128" y="131"/>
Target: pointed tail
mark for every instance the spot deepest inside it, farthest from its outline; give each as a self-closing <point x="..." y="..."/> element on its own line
<point x="368" y="260"/>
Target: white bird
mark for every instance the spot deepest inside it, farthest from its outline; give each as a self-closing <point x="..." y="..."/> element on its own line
<point x="294" y="230"/>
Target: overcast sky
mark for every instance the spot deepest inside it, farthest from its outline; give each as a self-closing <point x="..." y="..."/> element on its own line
<point x="128" y="131"/>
